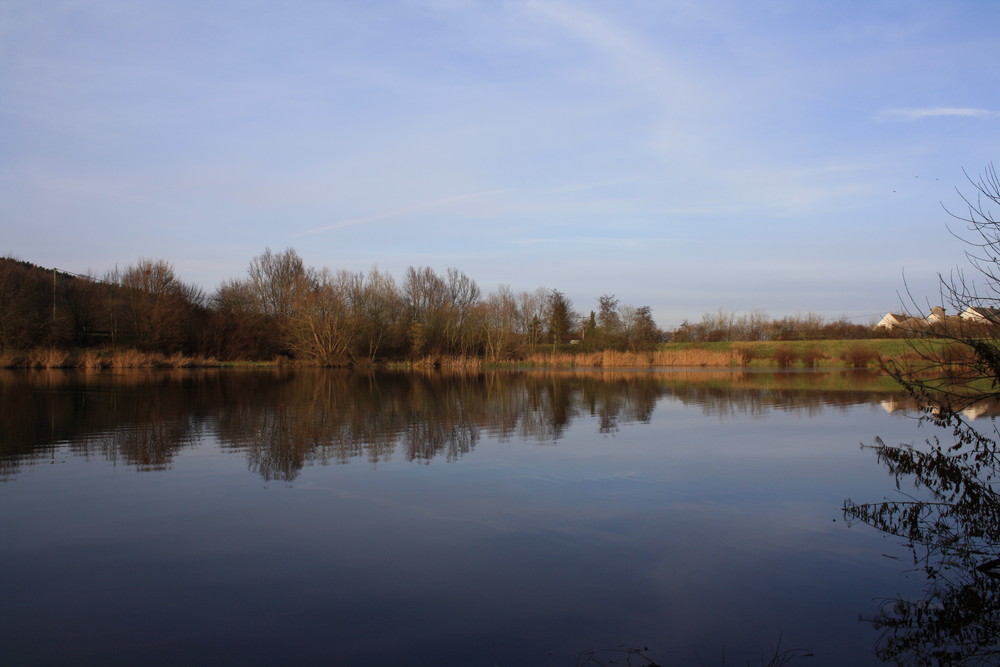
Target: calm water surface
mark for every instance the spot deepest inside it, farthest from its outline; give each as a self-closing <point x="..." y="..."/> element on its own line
<point x="335" y="517"/>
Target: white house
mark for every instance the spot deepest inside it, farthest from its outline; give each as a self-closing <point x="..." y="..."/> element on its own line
<point x="972" y="314"/>
<point x="981" y="314"/>
<point x="891" y="320"/>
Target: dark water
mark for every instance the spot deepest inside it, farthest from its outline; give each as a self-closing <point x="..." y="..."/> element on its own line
<point x="348" y="518"/>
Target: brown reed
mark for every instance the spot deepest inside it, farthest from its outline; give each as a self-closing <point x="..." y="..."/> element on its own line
<point x="48" y="357"/>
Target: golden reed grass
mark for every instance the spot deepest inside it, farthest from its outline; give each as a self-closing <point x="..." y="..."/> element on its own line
<point x="468" y="363"/>
<point x="43" y="358"/>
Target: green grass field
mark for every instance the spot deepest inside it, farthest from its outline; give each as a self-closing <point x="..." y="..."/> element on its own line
<point x="823" y="353"/>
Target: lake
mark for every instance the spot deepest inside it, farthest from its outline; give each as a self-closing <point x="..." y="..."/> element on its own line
<point x="525" y="518"/>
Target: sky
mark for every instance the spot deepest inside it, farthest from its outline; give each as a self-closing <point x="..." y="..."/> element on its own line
<point x="784" y="156"/>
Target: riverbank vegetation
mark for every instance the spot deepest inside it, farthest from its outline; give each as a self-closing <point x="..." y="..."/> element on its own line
<point x="781" y="355"/>
<point x="283" y="311"/>
<point x="100" y="359"/>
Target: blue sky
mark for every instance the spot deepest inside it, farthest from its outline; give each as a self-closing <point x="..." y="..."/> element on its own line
<point x="788" y="156"/>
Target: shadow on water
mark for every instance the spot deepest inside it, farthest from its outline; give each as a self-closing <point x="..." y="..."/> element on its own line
<point x="948" y="515"/>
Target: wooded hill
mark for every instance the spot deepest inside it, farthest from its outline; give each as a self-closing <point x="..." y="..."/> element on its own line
<point x="282" y="308"/>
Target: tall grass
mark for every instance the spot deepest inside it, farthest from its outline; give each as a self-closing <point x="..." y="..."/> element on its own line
<point x="91" y="360"/>
<point x="444" y="361"/>
<point x="837" y="353"/>
<point x="131" y="359"/>
<point x="42" y="357"/>
<point x="49" y="357"/>
<point x="45" y="358"/>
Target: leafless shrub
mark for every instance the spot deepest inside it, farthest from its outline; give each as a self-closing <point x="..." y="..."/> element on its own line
<point x="746" y="354"/>
<point x="859" y="355"/>
<point x="784" y="355"/>
<point x="810" y="355"/>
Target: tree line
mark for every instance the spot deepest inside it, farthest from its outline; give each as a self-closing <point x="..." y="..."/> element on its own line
<point x="282" y="307"/>
<point x="758" y="326"/>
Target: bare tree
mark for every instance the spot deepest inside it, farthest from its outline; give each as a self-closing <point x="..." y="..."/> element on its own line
<point x="461" y="330"/>
<point x="641" y="332"/>
<point x="427" y="299"/>
<point x="953" y="524"/>
<point x="498" y="317"/>
<point x="320" y="326"/>
<point x="531" y="313"/>
<point x="965" y="368"/>
<point x="377" y="310"/>
<point x="155" y="308"/>
<point x="238" y="328"/>
<point x="275" y="281"/>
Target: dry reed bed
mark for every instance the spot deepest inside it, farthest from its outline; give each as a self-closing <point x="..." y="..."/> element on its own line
<point x="468" y="363"/>
<point x="858" y="355"/>
<point x="45" y="358"/>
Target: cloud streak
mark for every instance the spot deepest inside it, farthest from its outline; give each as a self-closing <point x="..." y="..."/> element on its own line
<point x="580" y="187"/>
<point x="600" y="241"/>
<point x="939" y="112"/>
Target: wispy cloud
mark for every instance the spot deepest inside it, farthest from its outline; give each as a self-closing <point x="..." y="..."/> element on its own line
<point x="579" y="187"/>
<point x="938" y="112"/>
<point x="395" y="213"/>
<point x="632" y="59"/>
<point x="600" y="241"/>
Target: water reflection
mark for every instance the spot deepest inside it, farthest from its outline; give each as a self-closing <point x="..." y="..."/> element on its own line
<point x="283" y="420"/>
<point x="588" y="509"/>
<point x="950" y="521"/>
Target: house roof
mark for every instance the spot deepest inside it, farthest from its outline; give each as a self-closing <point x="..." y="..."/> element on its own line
<point x="984" y="312"/>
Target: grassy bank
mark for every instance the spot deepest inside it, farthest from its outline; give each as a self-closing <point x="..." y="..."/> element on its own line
<point x="785" y="354"/>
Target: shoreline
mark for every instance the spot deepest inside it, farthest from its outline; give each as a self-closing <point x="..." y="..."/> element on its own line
<point x="862" y="353"/>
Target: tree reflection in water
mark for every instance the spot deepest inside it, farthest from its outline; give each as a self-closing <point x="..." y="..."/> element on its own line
<point x="953" y="531"/>
<point x="285" y="419"/>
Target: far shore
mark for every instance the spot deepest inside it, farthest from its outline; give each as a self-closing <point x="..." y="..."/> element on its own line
<point x="871" y="353"/>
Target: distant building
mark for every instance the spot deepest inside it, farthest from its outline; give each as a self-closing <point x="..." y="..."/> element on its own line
<point x="981" y="314"/>
<point x="904" y="321"/>
<point x="971" y="315"/>
<point x="891" y="320"/>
